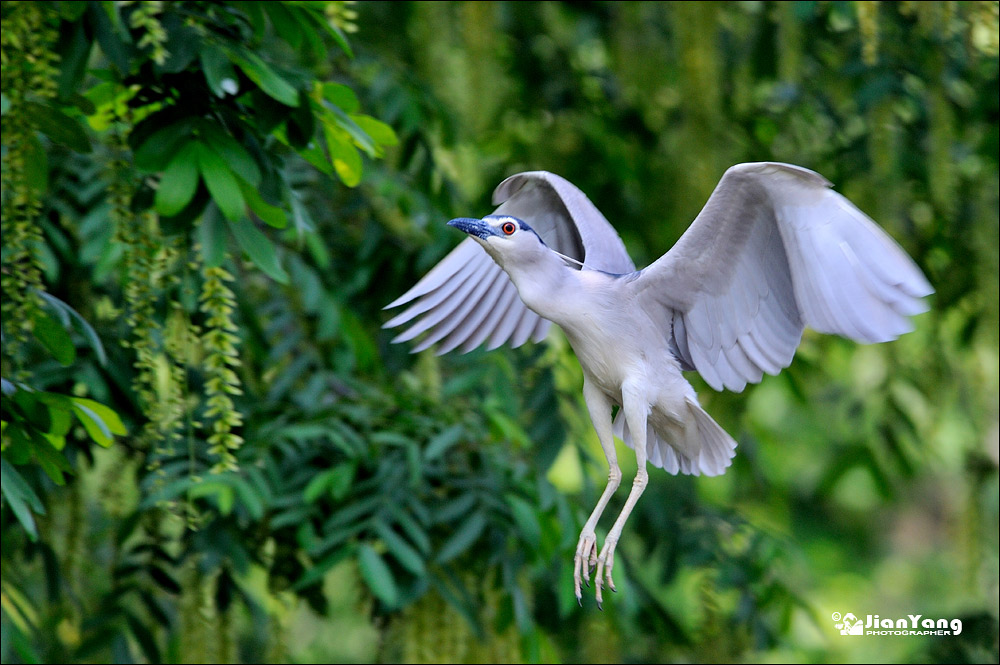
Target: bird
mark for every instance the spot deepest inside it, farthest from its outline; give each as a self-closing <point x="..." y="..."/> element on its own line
<point x="774" y="250"/>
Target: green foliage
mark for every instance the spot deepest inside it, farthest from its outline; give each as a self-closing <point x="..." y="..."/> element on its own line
<point x="212" y="452"/>
<point x="35" y="427"/>
<point x="221" y="360"/>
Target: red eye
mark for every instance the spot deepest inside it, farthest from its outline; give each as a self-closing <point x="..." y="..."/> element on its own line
<point x="508" y="228"/>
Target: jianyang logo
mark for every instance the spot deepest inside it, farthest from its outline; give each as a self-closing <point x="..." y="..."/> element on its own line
<point x="849" y="624"/>
<point x="912" y="624"/>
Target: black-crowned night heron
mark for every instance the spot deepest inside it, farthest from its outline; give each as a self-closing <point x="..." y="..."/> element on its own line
<point x="774" y="250"/>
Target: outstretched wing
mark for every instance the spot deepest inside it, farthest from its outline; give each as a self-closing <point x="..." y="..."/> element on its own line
<point x="467" y="299"/>
<point x="775" y="250"/>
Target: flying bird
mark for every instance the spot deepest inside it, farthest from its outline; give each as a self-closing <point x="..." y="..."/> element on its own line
<point x="774" y="250"/>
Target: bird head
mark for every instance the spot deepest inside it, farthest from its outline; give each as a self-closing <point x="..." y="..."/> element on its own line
<point x="507" y="239"/>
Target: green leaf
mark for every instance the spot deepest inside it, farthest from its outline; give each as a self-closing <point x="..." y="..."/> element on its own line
<point x="182" y="47"/>
<point x="380" y="132"/>
<point x="145" y="638"/>
<point x="342" y="96"/>
<point x="222" y="493"/>
<point x="18" y="451"/>
<point x="111" y="101"/>
<point x="337" y="481"/>
<point x="53" y="463"/>
<point x="271" y="215"/>
<point x="316" y="487"/>
<point x="407" y="556"/>
<point x="35" y="407"/>
<point x="72" y="11"/>
<point x="36" y="166"/>
<point x="300" y="123"/>
<point x="454" y="508"/>
<point x="284" y="23"/>
<point x="443" y="441"/>
<point x="318" y="570"/>
<point x="508" y="428"/>
<point x="461" y="601"/>
<point x="219" y="72"/>
<point x="416" y="532"/>
<point x="55" y="338"/>
<point x="343" y="155"/>
<point x="341" y="39"/>
<point x="169" y="492"/>
<point x="20" y="497"/>
<point x="235" y="155"/>
<point x="358" y="135"/>
<point x="338" y="36"/>
<point x="100" y="421"/>
<point x="163" y="579"/>
<point x="260" y="250"/>
<point x="96" y="428"/>
<point x="61" y="421"/>
<point x="221" y="183"/>
<point x="58" y="126"/>
<point x="212" y="236"/>
<point x="159" y="148"/>
<point x="313" y="47"/>
<point x="377" y="576"/>
<point x="249" y="497"/>
<point x="312" y="153"/>
<point x="179" y="181"/>
<point x="341" y="479"/>
<point x="79" y="101"/>
<point x="67" y="313"/>
<point x="111" y="34"/>
<point x="463" y="538"/>
<point x="266" y="78"/>
<point x="304" y="225"/>
<point x="255" y="16"/>
<point x="526" y="520"/>
<point x="74" y="52"/>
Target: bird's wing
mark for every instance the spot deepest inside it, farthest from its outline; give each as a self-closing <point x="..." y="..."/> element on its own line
<point x="774" y="250"/>
<point x="467" y="299"/>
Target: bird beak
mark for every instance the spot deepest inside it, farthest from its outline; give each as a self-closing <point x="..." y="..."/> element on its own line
<point x="474" y="227"/>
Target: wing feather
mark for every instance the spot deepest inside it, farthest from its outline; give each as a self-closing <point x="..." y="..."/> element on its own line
<point x="472" y="296"/>
<point x="438" y="317"/>
<point x="470" y="325"/>
<point x="775" y="250"/>
<point x="509" y="322"/>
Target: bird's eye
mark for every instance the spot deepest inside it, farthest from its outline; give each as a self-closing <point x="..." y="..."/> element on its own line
<point x="508" y="228"/>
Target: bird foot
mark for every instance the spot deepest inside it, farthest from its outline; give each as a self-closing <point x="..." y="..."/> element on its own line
<point x="605" y="564"/>
<point x="584" y="561"/>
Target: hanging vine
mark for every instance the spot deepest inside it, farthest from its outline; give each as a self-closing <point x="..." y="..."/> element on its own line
<point x="221" y="357"/>
<point x="149" y="265"/>
<point x="29" y="79"/>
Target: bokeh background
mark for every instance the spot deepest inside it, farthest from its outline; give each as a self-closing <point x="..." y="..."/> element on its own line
<point x="213" y="453"/>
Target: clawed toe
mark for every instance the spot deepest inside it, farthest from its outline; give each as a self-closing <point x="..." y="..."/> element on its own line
<point x="586" y="551"/>
<point x="586" y="559"/>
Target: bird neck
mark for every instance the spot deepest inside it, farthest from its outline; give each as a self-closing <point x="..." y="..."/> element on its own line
<point x="543" y="280"/>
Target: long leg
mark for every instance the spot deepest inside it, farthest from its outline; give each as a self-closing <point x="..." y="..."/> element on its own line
<point x="586" y="550"/>
<point x="636" y="412"/>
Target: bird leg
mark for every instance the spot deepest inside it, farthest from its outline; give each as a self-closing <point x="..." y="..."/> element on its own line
<point x="636" y="412"/>
<point x="586" y="550"/>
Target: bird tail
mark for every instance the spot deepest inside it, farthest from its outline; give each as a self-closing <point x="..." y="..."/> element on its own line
<point x="700" y="446"/>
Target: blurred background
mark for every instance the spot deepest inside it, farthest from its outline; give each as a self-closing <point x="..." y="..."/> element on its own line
<point x="213" y="453"/>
